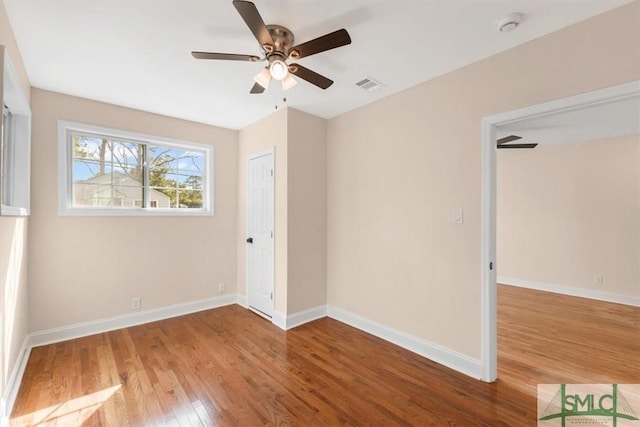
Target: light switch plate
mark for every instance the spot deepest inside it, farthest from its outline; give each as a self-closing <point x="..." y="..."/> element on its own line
<point x="457" y="216"/>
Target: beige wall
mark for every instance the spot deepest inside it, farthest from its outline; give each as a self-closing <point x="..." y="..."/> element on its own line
<point x="397" y="167"/>
<point x="88" y="268"/>
<point x="268" y="132"/>
<point x="300" y="206"/>
<point x="569" y="212"/>
<point x="13" y="244"/>
<point x="13" y="292"/>
<point x="307" y="216"/>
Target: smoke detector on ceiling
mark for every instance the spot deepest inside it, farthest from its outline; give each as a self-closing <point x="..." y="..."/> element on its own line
<point x="509" y="22"/>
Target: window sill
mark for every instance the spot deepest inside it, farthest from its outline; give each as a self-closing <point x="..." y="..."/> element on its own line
<point x="13" y="211"/>
<point x="134" y="212"/>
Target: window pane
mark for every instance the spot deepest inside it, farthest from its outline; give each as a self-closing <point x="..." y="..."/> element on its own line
<point x="90" y="171"/>
<point x="91" y="195"/>
<point x="7" y="156"/>
<point x="173" y="170"/>
<point x="190" y="199"/>
<point x="127" y="159"/>
<point x="166" y="197"/>
<point x="191" y="161"/>
<point x="89" y="147"/>
<point x="127" y="195"/>
<point x="106" y="172"/>
<point x="190" y="181"/>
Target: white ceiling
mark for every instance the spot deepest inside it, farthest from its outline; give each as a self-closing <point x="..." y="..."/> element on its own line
<point x="137" y="53"/>
<point x="609" y="120"/>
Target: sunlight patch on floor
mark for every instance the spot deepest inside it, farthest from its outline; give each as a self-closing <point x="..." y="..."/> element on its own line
<point x="72" y="412"/>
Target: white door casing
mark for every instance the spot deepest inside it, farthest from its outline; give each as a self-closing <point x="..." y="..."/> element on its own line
<point x="488" y="268"/>
<point x="260" y="232"/>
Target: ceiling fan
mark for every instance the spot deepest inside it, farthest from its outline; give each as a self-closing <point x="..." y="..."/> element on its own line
<point x="277" y="46"/>
<point x="504" y="142"/>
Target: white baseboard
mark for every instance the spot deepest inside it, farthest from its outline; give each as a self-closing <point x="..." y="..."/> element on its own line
<point x="104" y="325"/>
<point x="290" y="321"/>
<point x="242" y="301"/>
<point x="279" y="319"/>
<point x="442" y="355"/>
<point x="571" y="291"/>
<point x="306" y="316"/>
<point x="14" y="381"/>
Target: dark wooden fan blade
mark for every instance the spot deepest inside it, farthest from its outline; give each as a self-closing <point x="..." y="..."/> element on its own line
<point x="517" y="146"/>
<point x="311" y="76"/>
<point x="328" y="41"/>
<point x="254" y="21"/>
<point x="225" y="56"/>
<point x="508" y="139"/>
<point x="256" y="89"/>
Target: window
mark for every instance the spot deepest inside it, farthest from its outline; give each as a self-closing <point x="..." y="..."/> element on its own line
<point x="15" y="144"/>
<point x="7" y="155"/>
<point x="111" y="172"/>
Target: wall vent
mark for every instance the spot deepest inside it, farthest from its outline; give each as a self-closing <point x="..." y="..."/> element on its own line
<point x="369" y="84"/>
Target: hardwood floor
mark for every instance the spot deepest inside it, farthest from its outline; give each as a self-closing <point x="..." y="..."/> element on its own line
<point x="229" y="367"/>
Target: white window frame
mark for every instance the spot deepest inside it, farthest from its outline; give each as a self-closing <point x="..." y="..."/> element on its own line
<point x="18" y="172"/>
<point x="65" y="184"/>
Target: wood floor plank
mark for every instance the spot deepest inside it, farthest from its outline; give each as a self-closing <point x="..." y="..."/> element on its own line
<point x="229" y="367"/>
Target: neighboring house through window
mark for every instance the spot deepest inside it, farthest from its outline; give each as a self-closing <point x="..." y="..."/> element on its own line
<point x="111" y="172"/>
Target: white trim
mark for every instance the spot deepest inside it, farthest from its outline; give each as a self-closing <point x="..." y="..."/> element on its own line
<point x="252" y="156"/>
<point x="633" y="301"/>
<point x="84" y="329"/>
<point x="488" y="212"/>
<point x="279" y="319"/>
<point x="15" y="99"/>
<point x="64" y="173"/>
<point x="442" y="355"/>
<point x="488" y="298"/>
<point x="301" y="317"/>
<point x="286" y="322"/>
<point x="242" y="301"/>
<point x="14" y="381"/>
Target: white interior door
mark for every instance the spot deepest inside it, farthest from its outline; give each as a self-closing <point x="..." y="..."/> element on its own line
<point x="260" y="232"/>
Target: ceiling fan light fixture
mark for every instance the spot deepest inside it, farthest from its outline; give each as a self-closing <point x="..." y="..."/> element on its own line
<point x="263" y="78"/>
<point x="278" y="69"/>
<point x="288" y="82"/>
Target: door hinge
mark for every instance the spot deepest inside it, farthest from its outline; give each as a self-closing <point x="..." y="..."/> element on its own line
<point x="271" y="295"/>
<point x="271" y="172"/>
<point x="490" y="266"/>
<point x="272" y="234"/>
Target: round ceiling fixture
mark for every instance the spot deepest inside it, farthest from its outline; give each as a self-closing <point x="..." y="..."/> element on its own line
<point x="509" y="22"/>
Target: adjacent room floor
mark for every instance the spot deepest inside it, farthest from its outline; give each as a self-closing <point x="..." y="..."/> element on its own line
<point x="228" y="366"/>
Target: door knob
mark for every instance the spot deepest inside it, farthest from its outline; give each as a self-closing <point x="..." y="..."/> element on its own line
<point x="250" y="240"/>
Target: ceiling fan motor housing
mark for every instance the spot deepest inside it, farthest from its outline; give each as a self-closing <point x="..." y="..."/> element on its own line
<point x="282" y="41"/>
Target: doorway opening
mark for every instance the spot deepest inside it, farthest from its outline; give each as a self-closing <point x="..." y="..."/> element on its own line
<point x="491" y="131"/>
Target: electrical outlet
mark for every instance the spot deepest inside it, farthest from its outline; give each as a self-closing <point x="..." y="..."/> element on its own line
<point x="220" y="287"/>
<point x="597" y="279"/>
<point x="136" y="302"/>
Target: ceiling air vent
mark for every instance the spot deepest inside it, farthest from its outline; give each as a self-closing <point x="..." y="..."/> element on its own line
<point x="369" y="84"/>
